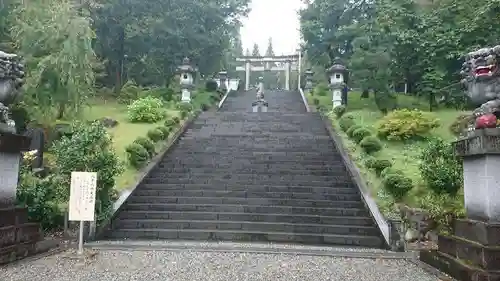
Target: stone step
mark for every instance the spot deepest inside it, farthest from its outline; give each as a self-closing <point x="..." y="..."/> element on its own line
<point x="203" y="161"/>
<point x="356" y="212"/>
<point x="229" y="175"/>
<point x="353" y="196"/>
<point x="241" y="235"/>
<point x="244" y="201"/>
<point x="340" y="188"/>
<point x="246" y="165"/>
<point x="262" y="170"/>
<point x="249" y="181"/>
<point x="257" y="159"/>
<point x="246" y="226"/>
<point x="246" y="217"/>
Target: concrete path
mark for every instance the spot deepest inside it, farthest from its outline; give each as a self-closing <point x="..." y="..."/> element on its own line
<point x="199" y="264"/>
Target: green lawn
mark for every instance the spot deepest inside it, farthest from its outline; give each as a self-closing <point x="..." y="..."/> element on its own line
<point x="123" y="134"/>
<point x="404" y="156"/>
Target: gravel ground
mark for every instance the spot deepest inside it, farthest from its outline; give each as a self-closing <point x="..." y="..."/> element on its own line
<point x="198" y="266"/>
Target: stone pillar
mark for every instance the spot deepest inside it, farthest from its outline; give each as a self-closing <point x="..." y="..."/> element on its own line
<point x="186" y="79"/>
<point x="338" y="74"/>
<point x="309" y="80"/>
<point x="223" y="81"/>
<point x="473" y="251"/>
<point x="287" y="75"/>
<point x="18" y="237"/>
<point x="247" y="75"/>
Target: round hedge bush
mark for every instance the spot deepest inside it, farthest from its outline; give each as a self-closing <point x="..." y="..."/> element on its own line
<point x="371" y="144"/>
<point x="346" y="122"/>
<point x="146" y="110"/>
<point x="147" y="144"/>
<point x="360" y="133"/>
<point x="339" y="110"/>
<point x="351" y="130"/>
<point x="380" y="165"/>
<point x="137" y="155"/>
<point x="165" y="131"/>
<point x="155" y="135"/>
<point x="397" y="185"/>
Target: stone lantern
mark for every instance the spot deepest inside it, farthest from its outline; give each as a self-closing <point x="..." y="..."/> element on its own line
<point x="261" y="84"/>
<point x="338" y="75"/>
<point x="186" y="79"/>
<point x="223" y="81"/>
<point x="309" y="80"/>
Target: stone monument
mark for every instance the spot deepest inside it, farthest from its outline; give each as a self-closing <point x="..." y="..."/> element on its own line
<point x="338" y="77"/>
<point x="260" y="104"/>
<point x="186" y="79"/>
<point x="309" y="80"/>
<point x="260" y="86"/>
<point x="223" y="81"/>
<point x="473" y="251"/>
<point x="18" y="237"/>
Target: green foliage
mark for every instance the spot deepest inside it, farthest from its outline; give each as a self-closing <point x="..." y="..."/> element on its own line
<point x="360" y="133"/>
<point x="390" y="170"/>
<point x="137" y="155"/>
<point x="146" y="110"/>
<point x="442" y="208"/>
<point x="351" y="130"/>
<point x="406" y="124"/>
<point x="397" y="185"/>
<point x="147" y="144"/>
<point x="169" y="123"/>
<point x="211" y="86"/>
<point x="461" y="124"/>
<point x="165" y="131"/>
<point x="346" y="122"/>
<point x="316" y="101"/>
<point x="339" y="110"/>
<point x="321" y="90"/>
<point x="204" y="107"/>
<point x="40" y="196"/>
<point x="89" y="149"/>
<point x="385" y="101"/>
<point x="371" y="144"/>
<point x="155" y="135"/>
<point x="440" y="168"/>
<point x="379" y="165"/>
<point x="129" y="92"/>
<point x="176" y="120"/>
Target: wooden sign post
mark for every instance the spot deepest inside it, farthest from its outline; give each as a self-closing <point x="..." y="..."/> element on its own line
<point x="82" y="200"/>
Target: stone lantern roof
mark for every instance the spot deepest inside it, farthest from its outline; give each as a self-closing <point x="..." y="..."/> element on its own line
<point x="186" y="66"/>
<point x="309" y="72"/>
<point x="337" y="67"/>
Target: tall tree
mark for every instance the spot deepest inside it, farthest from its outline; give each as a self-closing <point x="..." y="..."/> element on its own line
<point x="255" y="50"/>
<point x="270" y="50"/>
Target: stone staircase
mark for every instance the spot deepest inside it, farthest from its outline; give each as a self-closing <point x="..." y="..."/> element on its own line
<point x="237" y="175"/>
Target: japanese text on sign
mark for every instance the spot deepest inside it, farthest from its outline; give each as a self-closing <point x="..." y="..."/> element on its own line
<point x="82" y="196"/>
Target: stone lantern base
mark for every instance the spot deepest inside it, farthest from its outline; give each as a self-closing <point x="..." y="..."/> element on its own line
<point x="472" y="252"/>
<point x="18" y="237"/>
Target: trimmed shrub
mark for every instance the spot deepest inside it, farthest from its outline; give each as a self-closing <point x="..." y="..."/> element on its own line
<point x="169" y="123"/>
<point x="147" y="144"/>
<point x="371" y="144"/>
<point x="440" y="168"/>
<point x="137" y="155"/>
<point x="360" y="133"/>
<point x="346" y="122"/>
<point x="351" y="130"/>
<point x="176" y="120"/>
<point x="146" y="110"/>
<point x="339" y="110"/>
<point x="211" y="86"/>
<point x="204" y="107"/>
<point x="316" y="102"/>
<point x="89" y="149"/>
<point x="406" y="124"/>
<point x="380" y="165"/>
<point x="155" y="135"/>
<point x="397" y="185"/>
<point x="390" y="170"/>
<point x="461" y="124"/>
<point x="165" y="131"/>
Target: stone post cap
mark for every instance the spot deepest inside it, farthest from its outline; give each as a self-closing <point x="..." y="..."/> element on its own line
<point x="478" y="142"/>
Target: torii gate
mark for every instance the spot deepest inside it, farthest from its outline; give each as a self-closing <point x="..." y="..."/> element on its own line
<point x="287" y="66"/>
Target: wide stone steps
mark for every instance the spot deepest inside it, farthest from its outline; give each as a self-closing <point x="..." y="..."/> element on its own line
<point x="245" y="217"/>
<point x="337" y="195"/>
<point x="243" y="176"/>
<point x="246" y="235"/>
<point x="340" y="188"/>
<point x="245" y="225"/>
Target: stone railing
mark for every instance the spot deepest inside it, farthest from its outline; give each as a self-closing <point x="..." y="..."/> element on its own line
<point x="304" y="99"/>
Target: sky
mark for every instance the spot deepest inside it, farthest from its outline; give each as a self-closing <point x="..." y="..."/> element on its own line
<point x="272" y="18"/>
